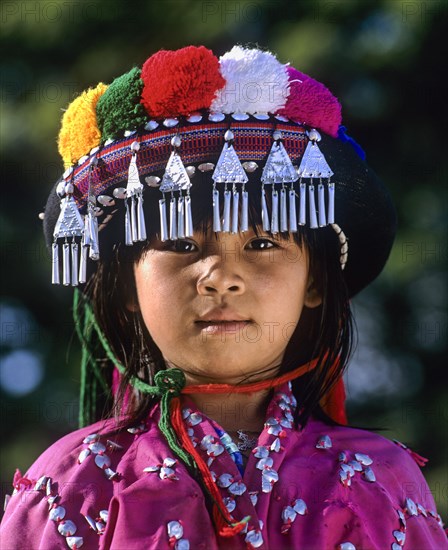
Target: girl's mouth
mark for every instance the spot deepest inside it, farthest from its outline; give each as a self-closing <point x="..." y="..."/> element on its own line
<point x="221" y="327"/>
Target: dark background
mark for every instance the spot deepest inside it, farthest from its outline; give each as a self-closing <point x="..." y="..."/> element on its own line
<point x="384" y="61"/>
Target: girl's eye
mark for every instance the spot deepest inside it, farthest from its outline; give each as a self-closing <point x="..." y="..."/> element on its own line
<point x="181" y="245"/>
<point x="262" y="244"/>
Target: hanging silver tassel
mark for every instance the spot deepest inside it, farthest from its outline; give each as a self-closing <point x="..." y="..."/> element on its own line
<point x="312" y="207"/>
<point x="244" y="210"/>
<point x="278" y="169"/>
<point x="188" y="217"/>
<point x="264" y="211"/>
<point x="180" y="217"/>
<point x="235" y="209"/>
<point x="314" y="165"/>
<point x="134" y="220"/>
<point x="83" y="264"/>
<point x="283" y="210"/>
<point x="75" y="263"/>
<point x="163" y="221"/>
<point x="68" y="225"/>
<point x="55" y="264"/>
<point x="173" y="220"/>
<point x="274" y="218"/>
<point x="227" y="201"/>
<point x="292" y="211"/>
<point x="141" y="225"/>
<point x="92" y="222"/>
<point x="321" y="204"/>
<point x="133" y="210"/>
<point x="330" y="203"/>
<point x="127" y="226"/>
<point x="302" y="206"/>
<point x="228" y="170"/>
<point x="174" y="179"/>
<point x="66" y="279"/>
<point x="216" y="213"/>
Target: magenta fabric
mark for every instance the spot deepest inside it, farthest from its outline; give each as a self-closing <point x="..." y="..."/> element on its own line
<point x="302" y="489"/>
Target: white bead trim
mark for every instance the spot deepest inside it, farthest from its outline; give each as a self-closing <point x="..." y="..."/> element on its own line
<point x="344" y="245"/>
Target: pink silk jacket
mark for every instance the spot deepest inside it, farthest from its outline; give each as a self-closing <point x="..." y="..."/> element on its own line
<point x="322" y="487"/>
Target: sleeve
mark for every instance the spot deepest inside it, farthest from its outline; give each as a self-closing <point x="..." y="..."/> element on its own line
<point x="384" y="504"/>
<point x="60" y="502"/>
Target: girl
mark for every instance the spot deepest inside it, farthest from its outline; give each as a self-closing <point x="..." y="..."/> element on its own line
<point x="217" y="220"/>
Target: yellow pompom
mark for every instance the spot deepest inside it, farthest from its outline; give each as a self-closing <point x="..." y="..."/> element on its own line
<point x="79" y="132"/>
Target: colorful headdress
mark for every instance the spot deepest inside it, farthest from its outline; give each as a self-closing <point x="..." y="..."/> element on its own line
<point x="246" y="120"/>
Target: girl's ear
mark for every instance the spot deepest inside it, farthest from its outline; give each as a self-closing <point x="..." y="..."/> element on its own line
<point x="312" y="296"/>
<point x="132" y="305"/>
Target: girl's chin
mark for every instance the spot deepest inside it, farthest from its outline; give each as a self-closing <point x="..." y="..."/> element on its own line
<point x="217" y="370"/>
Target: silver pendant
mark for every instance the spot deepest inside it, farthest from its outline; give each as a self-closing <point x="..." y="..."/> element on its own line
<point x="69" y="222"/>
<point x="313" y="164"/>
<point x="245" y="211"/>
<point x="141" y="226"/>
<point x="55" y="264"/>
<point x="180" y="217"/>
<point x="330" y="203"/>
<point x="321" y="204"/>
<point x="302" y="206"/>
<point x="133" y="209"/>
<point x="83" y="264"/>
<point x="264" y="211"/>
<point x="91" y="230"/>
<point x="173" y="222"/>
<point x="216" y="213"/>
<point x="274" y="218"/>
<point x="312" y="207"/>
<point x="66" y="279"/>
<point x="283" y="211"/>
<point x="292" y="212"/>
<point x="227" y="201"/>
<point x="127" y="226"/>
<point x="188" y="217"/>
<point x="278" y="167"/>
<point x="235" y="210"/>
<point x="75" y="266"/>
<point x="175" y="177"/>
<point x="228" y="168"/>
<point x="163" y="220"/>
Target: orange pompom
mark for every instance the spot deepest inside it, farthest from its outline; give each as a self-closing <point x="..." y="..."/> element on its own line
<point x="180" y="82"/>
<point x="79" y="131"/>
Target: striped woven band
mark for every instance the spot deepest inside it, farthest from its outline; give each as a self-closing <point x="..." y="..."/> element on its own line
<point x="200" y="143"/>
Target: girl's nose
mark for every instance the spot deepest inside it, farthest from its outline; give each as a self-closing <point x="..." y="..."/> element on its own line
<point x="221" y="278"/>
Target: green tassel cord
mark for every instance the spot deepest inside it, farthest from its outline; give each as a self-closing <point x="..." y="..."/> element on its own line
<point x="169" y="383"/>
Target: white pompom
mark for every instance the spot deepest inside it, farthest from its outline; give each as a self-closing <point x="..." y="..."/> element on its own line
<point x="256" y="82"/>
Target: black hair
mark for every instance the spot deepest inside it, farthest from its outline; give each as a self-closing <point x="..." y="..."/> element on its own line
<point x="325" y="332"/>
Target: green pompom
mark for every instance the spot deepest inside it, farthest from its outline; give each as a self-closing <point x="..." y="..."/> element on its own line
<point x="119" y="108"/>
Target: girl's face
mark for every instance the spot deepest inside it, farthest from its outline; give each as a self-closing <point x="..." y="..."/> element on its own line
<point x="223" y="308"/>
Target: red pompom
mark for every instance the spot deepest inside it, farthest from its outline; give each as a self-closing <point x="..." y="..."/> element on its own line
<point x="180" y="82"/>
<point x="310" y="102"/>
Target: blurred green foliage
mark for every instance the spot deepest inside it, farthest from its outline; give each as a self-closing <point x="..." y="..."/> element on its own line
<point x="383" y="59"/>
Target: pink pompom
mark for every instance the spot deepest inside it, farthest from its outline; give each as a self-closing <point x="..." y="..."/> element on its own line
<point x="312" y="103"/>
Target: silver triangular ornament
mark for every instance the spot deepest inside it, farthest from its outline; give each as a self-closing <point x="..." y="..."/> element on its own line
<point x="313" y="163"/>
<point x="134" y="185"/>
<point x="228" y="168"/>
<point x="70" y="222"/>
<point x="175" y="177"/>
<point x="278" y="167"/>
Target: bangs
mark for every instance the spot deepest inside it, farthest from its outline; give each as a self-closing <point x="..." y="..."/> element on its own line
<point x="202" y="215"/>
